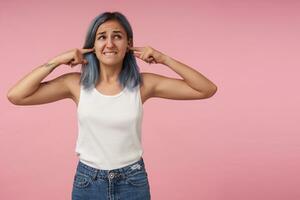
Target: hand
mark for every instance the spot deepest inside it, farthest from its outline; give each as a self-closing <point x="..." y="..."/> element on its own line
<point x="148" y="54"/>
<point x="72" y="57"/>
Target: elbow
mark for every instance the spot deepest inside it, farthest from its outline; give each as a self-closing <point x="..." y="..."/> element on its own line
<point x="211" y="92"/>
<point x="13" y="99"/>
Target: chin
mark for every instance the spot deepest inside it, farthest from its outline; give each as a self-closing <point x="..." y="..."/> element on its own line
<point x="108" y="63"/>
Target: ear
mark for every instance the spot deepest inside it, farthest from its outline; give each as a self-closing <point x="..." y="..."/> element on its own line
<point x="129" y="44"/>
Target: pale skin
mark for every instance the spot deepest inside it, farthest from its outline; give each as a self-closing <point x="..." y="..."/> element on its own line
<point x="30" y="90"/>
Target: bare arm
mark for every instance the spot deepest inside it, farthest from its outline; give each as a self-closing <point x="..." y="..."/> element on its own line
<point x="31" y="82"/>
<point x="194" y="85"/>
<point x="30" y="91"/>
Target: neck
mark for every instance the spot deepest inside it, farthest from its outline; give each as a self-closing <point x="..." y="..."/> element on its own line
<point x="109" y="74"/>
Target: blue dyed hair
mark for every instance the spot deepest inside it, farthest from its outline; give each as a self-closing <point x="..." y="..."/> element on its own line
<point x="129" y="75"/>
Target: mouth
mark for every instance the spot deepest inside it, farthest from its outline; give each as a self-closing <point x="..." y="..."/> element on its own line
<point x="110" y="53"/>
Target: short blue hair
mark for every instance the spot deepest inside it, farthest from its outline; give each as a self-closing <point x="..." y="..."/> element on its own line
<point x="130" y="73"/>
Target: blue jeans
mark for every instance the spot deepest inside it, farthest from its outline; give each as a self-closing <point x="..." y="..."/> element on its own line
<point x="126" y="183"/>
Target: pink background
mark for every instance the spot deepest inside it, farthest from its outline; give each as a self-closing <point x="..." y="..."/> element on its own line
<point x="241" y="144"/>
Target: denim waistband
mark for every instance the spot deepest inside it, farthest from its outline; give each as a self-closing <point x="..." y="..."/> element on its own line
<point x="122" y="172"/>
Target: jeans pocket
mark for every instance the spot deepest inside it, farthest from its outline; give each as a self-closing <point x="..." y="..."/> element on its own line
<point x="81" y="180"/>
<point x="138" y="178"/>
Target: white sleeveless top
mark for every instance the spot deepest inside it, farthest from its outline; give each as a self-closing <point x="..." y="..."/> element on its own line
<point x="109" y="128"/>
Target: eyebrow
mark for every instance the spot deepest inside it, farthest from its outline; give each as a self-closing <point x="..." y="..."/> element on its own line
<point x="105" y="32"/>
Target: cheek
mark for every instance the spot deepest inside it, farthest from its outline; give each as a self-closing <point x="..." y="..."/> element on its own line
<point x="98" y="48"/>
<point x="99" y="43"/>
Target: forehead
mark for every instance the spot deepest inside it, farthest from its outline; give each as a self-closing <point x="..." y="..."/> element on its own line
<point x="110" y="26"/>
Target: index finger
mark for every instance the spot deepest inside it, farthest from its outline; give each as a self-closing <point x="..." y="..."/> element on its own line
<point x="136" y="48"/>
<point x="87" y="50"/>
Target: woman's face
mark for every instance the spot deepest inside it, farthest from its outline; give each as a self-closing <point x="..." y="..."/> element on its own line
<point x="111" y="43"/>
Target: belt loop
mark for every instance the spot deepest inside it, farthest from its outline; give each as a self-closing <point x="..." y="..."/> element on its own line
<point x="95" y="175"/>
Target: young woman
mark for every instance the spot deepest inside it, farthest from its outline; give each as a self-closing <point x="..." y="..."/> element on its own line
<point x="109" y="94"/>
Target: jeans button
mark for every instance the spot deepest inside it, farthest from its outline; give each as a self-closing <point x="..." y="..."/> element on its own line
<point x="111" y="175"/>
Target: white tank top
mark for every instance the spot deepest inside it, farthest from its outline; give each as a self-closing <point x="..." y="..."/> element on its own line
<point x="109" y="128"/>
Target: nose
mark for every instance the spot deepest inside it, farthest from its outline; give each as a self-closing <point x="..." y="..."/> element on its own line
<point x="109" y="42"/>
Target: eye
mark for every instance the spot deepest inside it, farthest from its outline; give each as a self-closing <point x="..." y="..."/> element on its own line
<point x="100" y="37"/>
<point x="118" y="36"/>
<point x="115" y="36"/>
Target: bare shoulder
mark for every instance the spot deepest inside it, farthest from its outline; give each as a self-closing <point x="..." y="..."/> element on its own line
<point x="150" y="79"/>
<point x="147" y="87"/>
<point x="72" y="81"/>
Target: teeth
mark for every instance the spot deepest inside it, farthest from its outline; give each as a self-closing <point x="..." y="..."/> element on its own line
<point x="110" y="53"/>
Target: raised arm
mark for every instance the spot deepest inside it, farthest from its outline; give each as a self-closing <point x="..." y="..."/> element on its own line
<point x="31" y="91"/>
<point x="194" y="85"/>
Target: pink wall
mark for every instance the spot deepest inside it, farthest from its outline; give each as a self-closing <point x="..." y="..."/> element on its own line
<point x="241" y="144"/>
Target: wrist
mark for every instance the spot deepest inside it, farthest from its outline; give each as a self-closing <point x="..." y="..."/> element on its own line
<point x="166" y="60"/>
<point x="52" y="63"/>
